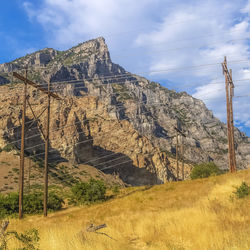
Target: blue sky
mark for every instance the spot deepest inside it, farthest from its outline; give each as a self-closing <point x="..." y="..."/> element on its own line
<point x="18" y="34"/>
<point x="177" y="43"/>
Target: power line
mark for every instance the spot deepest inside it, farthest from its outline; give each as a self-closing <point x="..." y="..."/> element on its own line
<point x="88" y="140"/>
<point x="112" y="106"/>
<point x="116" y="77"/>
<point x="142" y="102"/>
<point x="135" y="81"/>
<point x="125" y="75"/>
<point x="112" y="94"/>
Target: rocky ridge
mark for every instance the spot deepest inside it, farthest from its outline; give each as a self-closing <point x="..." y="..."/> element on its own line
<point x="147" y="111"/>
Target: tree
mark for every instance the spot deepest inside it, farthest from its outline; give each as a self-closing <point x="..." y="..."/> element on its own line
<point x="205" y="170"/>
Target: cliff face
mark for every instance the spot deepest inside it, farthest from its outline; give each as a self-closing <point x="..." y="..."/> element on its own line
<point x="119" y="112"/>
<point x="82" y="131"/>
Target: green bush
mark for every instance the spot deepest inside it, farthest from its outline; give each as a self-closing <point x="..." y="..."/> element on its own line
<point x="32" y="203"/>
<point x="116" y="189"/>
<point x="8" y="148"/>
<point x="54" y="202"/>
<point x="204" y="170"/>
<point x="242" y="191"/>
<point x="28" y="239"/>
<point x="8" y="204"/>
<point x="88" y="192"/>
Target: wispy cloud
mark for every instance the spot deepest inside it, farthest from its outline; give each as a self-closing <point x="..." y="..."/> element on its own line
<point x="159" y="34"/>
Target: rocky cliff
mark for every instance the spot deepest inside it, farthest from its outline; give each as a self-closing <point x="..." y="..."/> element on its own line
<point x="118" y="113"/>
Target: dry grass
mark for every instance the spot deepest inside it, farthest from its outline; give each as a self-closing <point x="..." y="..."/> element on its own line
<point x="188" y="215"/>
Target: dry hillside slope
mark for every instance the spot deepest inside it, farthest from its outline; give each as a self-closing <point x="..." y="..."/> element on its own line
<point x="199" y="214"/>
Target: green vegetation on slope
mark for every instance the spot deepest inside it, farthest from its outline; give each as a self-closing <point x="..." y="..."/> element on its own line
<point x="204" y="170"/>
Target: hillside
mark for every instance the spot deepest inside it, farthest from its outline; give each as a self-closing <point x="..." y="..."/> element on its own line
<point x="198" y="214"/>
<point x="111" y="119"/>
<point x="61" y="176"/>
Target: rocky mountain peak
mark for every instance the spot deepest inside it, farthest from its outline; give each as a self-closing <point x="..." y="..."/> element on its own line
<point x="93" y="51"/>
<point x="97" y="45"/>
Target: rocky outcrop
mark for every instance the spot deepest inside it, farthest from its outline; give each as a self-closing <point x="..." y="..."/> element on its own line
<point x="82" y="131"/>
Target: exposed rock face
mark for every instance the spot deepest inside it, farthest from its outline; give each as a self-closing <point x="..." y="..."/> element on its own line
<point x="133" y="116"/>
<point x="90" y="136"/>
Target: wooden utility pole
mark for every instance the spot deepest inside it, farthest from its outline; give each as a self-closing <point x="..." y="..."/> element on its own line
<point x="21" y="169"/>
<point x="46" y="138"/>
<point x="45" y="201"/>
<point x="232" y="121"/>
<point x="177" y="156"/>
<point x="229" y="86"/>
<point x="29" y="175"/>
<point x="182" y="158"/>
<point x="179" y="132"/>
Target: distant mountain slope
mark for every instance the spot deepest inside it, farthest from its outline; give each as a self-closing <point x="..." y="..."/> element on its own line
<point x="87" y="70"/>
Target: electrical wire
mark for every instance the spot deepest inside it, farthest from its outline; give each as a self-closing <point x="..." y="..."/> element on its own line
<point x="130" y="92"/>
<point x="88" y="140"/>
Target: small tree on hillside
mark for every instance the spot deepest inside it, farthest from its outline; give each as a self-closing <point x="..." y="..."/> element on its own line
<point x="88" y="192"/>
<point x="205" y="170"/>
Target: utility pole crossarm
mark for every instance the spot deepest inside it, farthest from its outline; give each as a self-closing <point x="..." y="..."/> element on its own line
<point x="36" y="86"/>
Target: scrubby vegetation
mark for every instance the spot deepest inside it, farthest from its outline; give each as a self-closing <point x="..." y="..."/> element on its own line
<point x="242" y="191"/>
<point x="32" y="203"/>
<point x="28" y="240"/>
<point x="204" y="170"/>
<point x="88" y="192"/>
<point x="8" y="148"/>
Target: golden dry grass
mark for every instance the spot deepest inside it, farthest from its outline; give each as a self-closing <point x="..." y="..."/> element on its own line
<point x="187" y="215"/>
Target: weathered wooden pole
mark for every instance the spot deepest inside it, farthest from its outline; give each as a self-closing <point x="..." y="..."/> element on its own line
<point x="21" y="169"/>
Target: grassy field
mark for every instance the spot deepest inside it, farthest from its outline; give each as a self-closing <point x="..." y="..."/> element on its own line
<point x="200" y="214"/>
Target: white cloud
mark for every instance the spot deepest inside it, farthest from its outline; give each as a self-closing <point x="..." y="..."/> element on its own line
<point x="166" y="35"/>
<point x="230" y="33"/>
<point x="246" y="8"/>
<point x="72" y="21"/>
<point x="214" y="36"/>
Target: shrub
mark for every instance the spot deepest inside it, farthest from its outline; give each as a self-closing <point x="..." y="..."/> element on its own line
<point x="242" y="191"/>
<point x="32" y="203"/>
<point x="8" y="148"/>
<point x="204" y="170"/>
<point x="54" y="202"/>
<point x="115" y="189"/>
<point x="15" y="170"/>
<point x="88" y="192"/>
<point x="28" y="239"/>
<point x="8" y="204"/>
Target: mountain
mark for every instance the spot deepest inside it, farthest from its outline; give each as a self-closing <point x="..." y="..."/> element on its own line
<point x="127" y="122"/>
